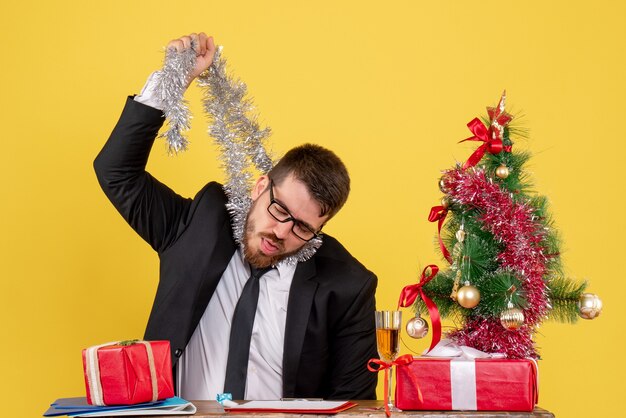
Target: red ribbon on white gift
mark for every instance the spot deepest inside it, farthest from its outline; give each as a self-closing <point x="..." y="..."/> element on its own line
<point x="92" y="365"/>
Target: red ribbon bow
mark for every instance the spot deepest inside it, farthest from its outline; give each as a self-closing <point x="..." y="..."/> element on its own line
<point x="439" y="213"/>
<point x="492" y="143"/>
<point x="492" y="136"/>
<point x="384" y="365"/>
<point x="410" y="293"/>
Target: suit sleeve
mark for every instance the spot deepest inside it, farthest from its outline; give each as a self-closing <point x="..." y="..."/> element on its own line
<point x="152" y="209"/>
<point x="354" y="344"/>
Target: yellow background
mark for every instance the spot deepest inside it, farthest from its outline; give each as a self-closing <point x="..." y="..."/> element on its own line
<point x="388" y="85"/>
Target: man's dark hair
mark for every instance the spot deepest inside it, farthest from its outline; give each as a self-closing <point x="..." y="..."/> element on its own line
<point x="322" y="172"/>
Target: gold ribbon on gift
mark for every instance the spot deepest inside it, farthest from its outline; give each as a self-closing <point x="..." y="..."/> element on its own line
<point x="92" y="365"/>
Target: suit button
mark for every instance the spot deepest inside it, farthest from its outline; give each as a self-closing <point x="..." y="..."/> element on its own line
<point x="178" y="352"/>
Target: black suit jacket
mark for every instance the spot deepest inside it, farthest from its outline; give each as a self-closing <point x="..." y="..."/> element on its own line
<point x="330" y="330"/>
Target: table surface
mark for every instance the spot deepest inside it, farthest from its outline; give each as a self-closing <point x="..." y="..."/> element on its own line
<point x="364" y="409"/>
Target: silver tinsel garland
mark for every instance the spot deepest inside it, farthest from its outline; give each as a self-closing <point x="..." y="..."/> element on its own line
<point x="233" y="125"/>
<point x="171" y="85"/>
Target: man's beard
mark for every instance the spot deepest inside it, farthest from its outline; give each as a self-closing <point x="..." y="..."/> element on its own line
<point x="257" y="258"/>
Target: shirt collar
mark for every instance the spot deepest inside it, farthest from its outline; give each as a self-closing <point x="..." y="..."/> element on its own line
<point x="284" y="269"/>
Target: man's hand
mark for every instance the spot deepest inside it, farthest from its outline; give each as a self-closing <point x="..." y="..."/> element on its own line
<point x="204" y="47"/>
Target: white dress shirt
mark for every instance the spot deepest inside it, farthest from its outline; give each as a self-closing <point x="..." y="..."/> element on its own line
<point x="201" y="369"/>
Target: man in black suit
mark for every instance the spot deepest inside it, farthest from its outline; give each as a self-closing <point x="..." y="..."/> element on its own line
<point x="313" y="325"/>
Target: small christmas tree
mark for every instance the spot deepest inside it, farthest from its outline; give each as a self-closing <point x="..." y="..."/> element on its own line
<point x="505" y="273"/>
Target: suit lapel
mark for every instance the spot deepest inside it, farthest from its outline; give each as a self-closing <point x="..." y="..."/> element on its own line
<point x="298" y="311"/>
<point x="223" y="251"/>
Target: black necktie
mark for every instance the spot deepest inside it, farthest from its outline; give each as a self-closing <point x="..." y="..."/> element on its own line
<point x="240" y="335"/>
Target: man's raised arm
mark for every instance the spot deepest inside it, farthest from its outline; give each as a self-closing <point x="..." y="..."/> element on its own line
<point x="151" y="208"/>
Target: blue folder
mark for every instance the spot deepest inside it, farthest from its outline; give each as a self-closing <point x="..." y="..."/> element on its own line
<point x="75" y="406"/>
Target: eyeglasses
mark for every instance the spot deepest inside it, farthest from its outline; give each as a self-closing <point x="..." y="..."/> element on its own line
<point x="282" y="215"/>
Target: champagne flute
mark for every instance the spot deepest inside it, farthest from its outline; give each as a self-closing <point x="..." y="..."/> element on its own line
<point x="388" y="325"/>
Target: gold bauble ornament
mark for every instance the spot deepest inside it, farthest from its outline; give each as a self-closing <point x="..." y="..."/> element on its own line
<point x="502" y="171"/>
<point x="512" y="317"/>
<point x="417" y="327"/>
<point x="442" y="186"/>
<point x="589" y="306"/>
<point x="445" y="202"/>
<point x="468" y="296"/>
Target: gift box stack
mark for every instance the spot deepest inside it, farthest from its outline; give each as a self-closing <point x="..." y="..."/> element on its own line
<point x="504" y="277"/>
<point x="128" y="372"/>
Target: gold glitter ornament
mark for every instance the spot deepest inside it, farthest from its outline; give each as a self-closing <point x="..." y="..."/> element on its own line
<point x="502" y="171"/>
<point x="512" y="318"/>
<point x="417" y="327"/>
<point x="589" y="306"/>
<point x="468" y="296"/>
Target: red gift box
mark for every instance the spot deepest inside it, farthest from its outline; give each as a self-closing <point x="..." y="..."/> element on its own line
<point x="128" y="373"/>
<point x="484" y="384"/>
